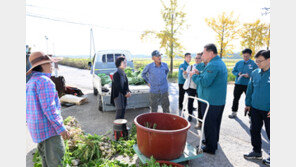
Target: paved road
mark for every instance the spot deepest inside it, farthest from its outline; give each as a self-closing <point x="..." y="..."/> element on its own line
<point x="234" y="134"/>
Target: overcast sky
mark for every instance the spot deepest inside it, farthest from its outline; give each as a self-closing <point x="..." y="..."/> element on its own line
<point x="119" y="24"/>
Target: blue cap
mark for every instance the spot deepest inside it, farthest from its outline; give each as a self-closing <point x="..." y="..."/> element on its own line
<point x="156" y="53"/>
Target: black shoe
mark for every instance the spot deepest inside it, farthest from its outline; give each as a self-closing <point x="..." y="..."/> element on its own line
<point x="203" y="142"/>
<point x="189" y="118"/>
<point x="266" y="161"/>
<point x="206" y="150"/>
<point x="253" y="155"/>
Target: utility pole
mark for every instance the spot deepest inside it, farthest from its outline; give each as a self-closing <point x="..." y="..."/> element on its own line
<point x="46" y="38"/>
<point x="92" y="43"/>
<point x="172" y="44"/>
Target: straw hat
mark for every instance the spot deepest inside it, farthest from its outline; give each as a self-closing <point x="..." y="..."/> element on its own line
<point x="39" y="58"/>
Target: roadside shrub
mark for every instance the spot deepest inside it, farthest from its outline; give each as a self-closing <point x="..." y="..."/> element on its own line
<point x="173" y="75"/>
<point x="230" y="76"/>
<point x="81" y="63"/>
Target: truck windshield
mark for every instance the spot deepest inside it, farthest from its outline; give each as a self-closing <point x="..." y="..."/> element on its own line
<point x="118" y="55"/>
<point x="108" y="58"/>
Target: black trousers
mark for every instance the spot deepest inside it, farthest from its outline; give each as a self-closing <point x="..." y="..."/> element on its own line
<point x="257" y="119"/>
<point x="212" y="125"/>
<point x="120" y="105"/>
<point x="192" y="92"/>
<point x="238" y="91"/>
<point x="120" y="112"/>
<point x="181" y="96"/>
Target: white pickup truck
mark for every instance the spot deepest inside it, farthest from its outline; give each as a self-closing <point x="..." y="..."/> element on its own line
<point x="104" y="62"/>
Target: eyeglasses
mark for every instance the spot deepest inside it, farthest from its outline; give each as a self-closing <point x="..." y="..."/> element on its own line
<point x="259" y="61"/>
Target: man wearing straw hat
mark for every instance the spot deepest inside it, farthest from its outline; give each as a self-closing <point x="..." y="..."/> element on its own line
<point x="43" y="111"/>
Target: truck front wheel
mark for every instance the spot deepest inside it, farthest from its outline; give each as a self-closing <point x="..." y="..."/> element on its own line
<point x="95" y="91"/>
<point x="100" y="104"/>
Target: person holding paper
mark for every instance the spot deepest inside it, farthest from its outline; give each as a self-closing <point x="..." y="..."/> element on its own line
<point x="192" y="90"/>
<point x="181" y="79"/>
<point x="242" y="71"/>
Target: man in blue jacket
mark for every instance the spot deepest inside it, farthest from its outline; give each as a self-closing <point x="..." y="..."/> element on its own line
<point x="28" y="64"/>
<point x="242" y="70"/>
<point x="258" y="103"/>
<point x="181" y="79"/>
<point x="212" y="86"/>
<point x="155" y="74"/>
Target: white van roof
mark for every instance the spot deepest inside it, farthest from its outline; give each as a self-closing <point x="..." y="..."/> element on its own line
<point x="115" y="51"/>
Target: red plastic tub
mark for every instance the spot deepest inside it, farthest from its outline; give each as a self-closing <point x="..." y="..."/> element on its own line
<point x="168" y="163"/>
<point x="167" y="141"/>
<point x="111" y="75"/>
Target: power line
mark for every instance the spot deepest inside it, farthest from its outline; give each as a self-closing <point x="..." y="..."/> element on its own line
<point x="76" y="22"/>
<point x="57" y="19"/>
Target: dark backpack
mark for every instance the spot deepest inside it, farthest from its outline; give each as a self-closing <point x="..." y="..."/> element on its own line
<point x="60" y="84"/>
<point x="73" y="91"/>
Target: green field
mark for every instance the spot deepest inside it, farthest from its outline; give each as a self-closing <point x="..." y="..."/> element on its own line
<point x="143" y="62"/>
<point x="138" y="63"/>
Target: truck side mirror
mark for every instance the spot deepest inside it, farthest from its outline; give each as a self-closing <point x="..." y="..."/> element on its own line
<point x="89" y="64"/>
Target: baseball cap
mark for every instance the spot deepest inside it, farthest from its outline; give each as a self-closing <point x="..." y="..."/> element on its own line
<point x="156" y="53"/>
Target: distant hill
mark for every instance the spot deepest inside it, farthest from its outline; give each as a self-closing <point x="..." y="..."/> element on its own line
<point x="230" y="56"/>
<point x="74" y="56"/>
<point x="234" y="56"/>
<point x="140" y="56"/>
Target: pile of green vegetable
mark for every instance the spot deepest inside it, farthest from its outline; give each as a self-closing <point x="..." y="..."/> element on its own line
<point x="134" y="78"/>
<point x="150" y="125"/>
<point x="152" y="163"/>
<point x="105" y="79"/>
<point x="85" y="150"/>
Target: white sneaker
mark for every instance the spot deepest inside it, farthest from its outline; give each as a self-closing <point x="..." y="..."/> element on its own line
<point x="198" y="126"/>
<point x="233" y="115"/>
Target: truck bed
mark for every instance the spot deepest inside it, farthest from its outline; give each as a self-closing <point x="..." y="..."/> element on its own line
<point x="139" y="98"/>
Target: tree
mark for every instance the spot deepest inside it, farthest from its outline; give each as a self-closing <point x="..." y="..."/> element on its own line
<point x="265" y="11"/>
<point x="267" y="36"/>
<point x="173" y="18"/>
<point x="254" y="35"/>
<point x="227" y="28"/>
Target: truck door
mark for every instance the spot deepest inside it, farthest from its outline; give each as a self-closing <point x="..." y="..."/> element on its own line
<point x="93" y="64"/>
<point x="128" y="60"/>
<point x="107" y="64"/>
